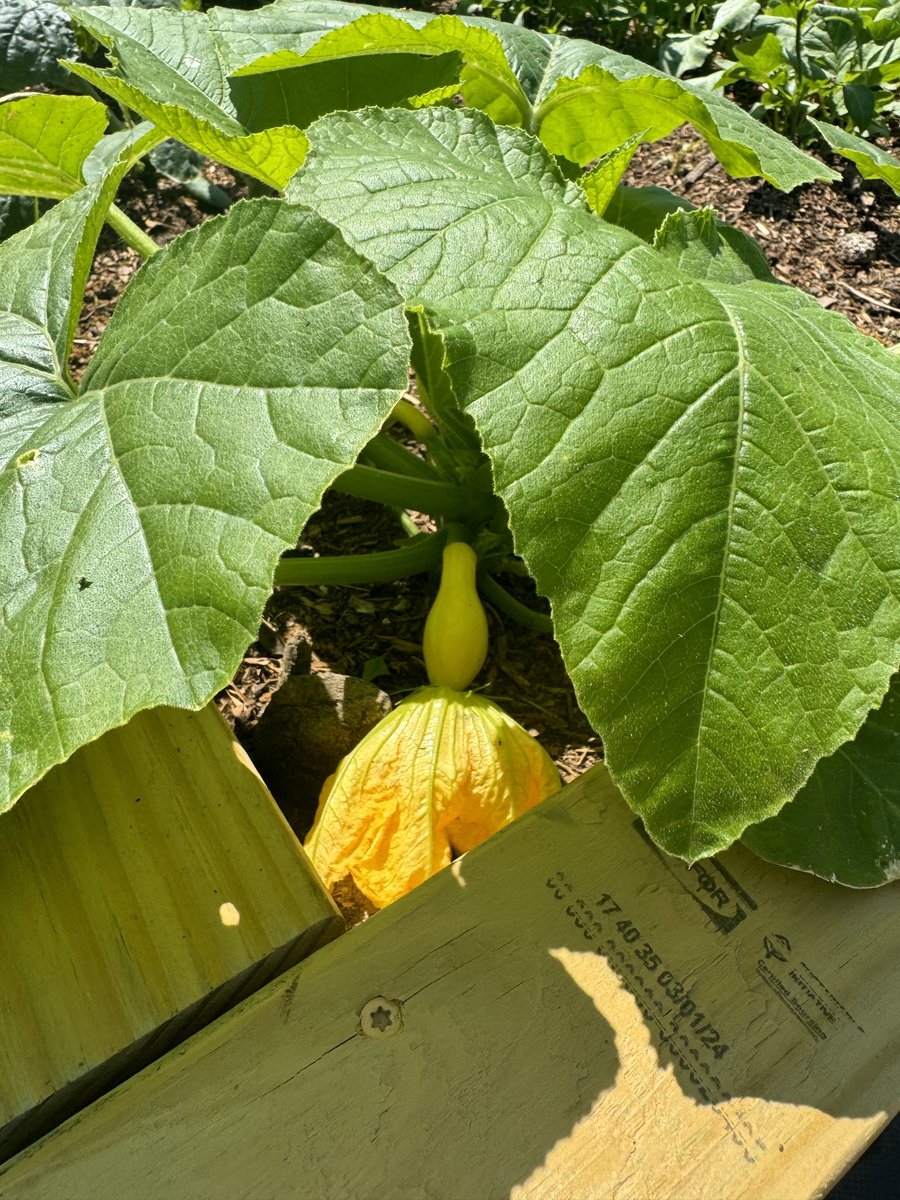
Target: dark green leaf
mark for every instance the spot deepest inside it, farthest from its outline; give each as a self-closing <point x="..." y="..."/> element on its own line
<point x="34" y="35"/>
<point x="643" y="210"/>
<point x="16" y="213"/>
<point x="844" y="824"/>
<point x="860" y="102"/>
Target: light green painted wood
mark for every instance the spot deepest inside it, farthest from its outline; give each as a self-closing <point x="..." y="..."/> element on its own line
<point x="119" y="876"/>
<point x="727" y="1032"/>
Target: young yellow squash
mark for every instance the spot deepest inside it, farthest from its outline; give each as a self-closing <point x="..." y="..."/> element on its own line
<point x="455" y="642"/>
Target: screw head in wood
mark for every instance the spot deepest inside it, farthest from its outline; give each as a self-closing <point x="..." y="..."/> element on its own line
<point x="380" y="1017"/>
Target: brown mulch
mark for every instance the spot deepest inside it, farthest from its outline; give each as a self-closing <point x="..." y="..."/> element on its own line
<point x="838" y="241"/>
<point x="841" y="242"/>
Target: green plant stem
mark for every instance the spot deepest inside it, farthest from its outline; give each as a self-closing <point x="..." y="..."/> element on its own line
<point x="495" y="594"/>
<point x="402" y="491"/>
<point x="800" y="88"/>
<point x="515" y="566"/>
<point x="131" y="233"/>
<point x="389" y="455"/>
<point x="413" y="419"/>
<point x="421" y="553"/>
<point x="407" y="524"/>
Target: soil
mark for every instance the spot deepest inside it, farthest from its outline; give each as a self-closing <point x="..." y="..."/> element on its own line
<point x="840" y="242"/>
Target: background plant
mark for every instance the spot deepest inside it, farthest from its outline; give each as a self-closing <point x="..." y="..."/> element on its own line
<point x="637" y="27"/>
<point x="838" y="63"/>
<point x="35" y="36"/>
<point x="697" y="465"/>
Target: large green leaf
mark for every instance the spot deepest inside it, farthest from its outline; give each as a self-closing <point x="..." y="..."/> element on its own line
<point x="42" y="275"/>
<point x="581" y="99"/>
<point x="845" y="823"/>
<point x="44" y="141"/>
<point x="43" y="272"/>
<point x="701" y="476"/>
<point x="871" y="161"/>
<point x="174" y="68"/>
<point x="183" y="89"/>
<point x="243" y="370"/>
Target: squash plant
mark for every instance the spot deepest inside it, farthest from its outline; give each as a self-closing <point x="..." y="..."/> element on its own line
<point x="699" y="466"/>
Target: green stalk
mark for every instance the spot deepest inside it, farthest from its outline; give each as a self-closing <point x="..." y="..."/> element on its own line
<point x="131" y="233"/>
<point x="413" y="419"/>
<point x="402" y="491"/>
<point x="421" y="553"/>
<point x="800" y="88"/>
<point x="384" y="452"/>
<point x="407" y="524"/>
<point x="495" y="594"/>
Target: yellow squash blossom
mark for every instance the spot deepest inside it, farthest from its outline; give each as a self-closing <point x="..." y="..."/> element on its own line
<point x="435" y="777"/>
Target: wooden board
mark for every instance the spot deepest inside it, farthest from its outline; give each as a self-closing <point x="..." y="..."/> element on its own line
<point x="565" y="1013"/>
<point x="145" y="885"/>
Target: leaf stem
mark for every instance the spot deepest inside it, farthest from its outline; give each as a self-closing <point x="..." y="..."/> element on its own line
<point x="420" y="553"/>
<point x="131" y="233"/>
<point x="430" y="496"/>
<point x="384" y="452"/>
<point x="496" y="594"/>
<point x="405" y="413"/>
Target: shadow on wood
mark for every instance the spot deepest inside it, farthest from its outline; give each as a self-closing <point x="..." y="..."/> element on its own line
<point x="579" y="1016"/>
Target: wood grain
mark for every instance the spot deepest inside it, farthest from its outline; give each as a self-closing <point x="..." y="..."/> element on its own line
<point x="113" y="873"/>
<point x="726" y="1032"/>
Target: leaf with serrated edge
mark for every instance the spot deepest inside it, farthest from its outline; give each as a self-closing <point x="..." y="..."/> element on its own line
<point x="581" y="99"/>
<point x="42" y="274"/>
<point x="871" y="161"/>
<point x="44" y="141"/>
<point x="174" y="69"/>
<point x="245" y="367"/>
<point x="486" y="66"/>
<point x="701" y="477"/>
<point x="699" y="245"/>
<point x="600" y="183"/>
<point x="272" y="155"/>
<point x="43" y="271"/>
<point x="844" y="824"/>
<point x="183" y="88"/>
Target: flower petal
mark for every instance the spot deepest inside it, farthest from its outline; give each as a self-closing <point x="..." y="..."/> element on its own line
<point x="435" y="777"/>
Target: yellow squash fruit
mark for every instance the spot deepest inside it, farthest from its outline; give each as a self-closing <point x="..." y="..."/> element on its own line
<point x="435" y="777"/>
<point x="455" y="642"/>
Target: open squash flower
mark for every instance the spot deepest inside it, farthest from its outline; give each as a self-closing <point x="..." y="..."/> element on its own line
<point x="439" y="774"/>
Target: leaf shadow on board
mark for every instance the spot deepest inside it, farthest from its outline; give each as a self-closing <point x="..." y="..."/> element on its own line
<point x="499" y="1056"/>
<point x="524" y="1005"/>
<point x="512" y="1015"/>
<point x="751" y="980"/>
